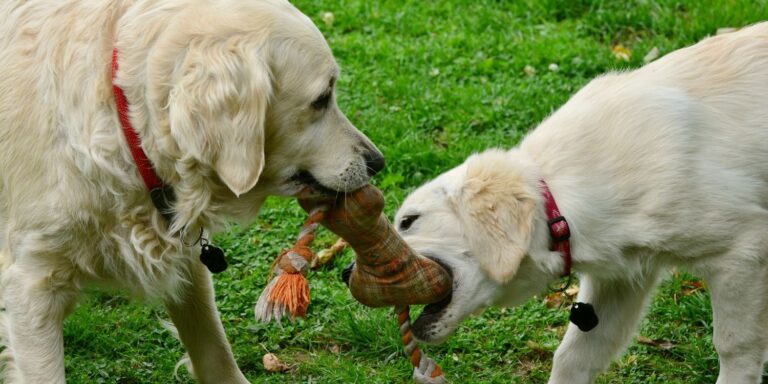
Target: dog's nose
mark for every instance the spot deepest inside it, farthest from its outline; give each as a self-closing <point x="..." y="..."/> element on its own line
<point x="374" y="160"/>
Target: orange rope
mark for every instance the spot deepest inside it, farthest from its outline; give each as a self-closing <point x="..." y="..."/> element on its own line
<point x="287" y="293"/>
<point x="425" y="370"/>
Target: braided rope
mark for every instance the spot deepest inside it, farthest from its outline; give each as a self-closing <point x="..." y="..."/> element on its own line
<point x="287" y="293"/>
<point x="425" y="370"/>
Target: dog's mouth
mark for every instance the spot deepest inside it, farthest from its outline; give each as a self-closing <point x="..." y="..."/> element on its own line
<point x="312" y="187"/>
<point x="424" y="326"/>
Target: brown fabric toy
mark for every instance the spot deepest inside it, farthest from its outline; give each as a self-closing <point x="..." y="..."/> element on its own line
<point x="387" y="271"/>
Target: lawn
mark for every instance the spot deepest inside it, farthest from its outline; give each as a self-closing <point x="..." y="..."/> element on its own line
<point x="431" y="82"/>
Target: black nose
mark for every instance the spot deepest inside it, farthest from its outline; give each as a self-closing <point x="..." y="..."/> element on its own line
<point x="374" y="160"/>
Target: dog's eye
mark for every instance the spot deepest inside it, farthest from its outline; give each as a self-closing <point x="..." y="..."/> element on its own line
<point x="322" y="101"/>
<point x="407" y="221"/>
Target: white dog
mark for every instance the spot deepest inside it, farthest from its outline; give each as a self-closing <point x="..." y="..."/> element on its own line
<point x="232" y="100"/>
<point x="665" y="165"/>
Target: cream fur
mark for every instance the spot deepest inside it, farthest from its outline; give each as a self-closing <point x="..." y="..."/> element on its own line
<point x="221" y="95"/>
<point x="666" y="165"/>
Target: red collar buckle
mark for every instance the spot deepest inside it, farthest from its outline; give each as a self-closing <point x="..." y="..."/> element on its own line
<point x="559" y="230"/>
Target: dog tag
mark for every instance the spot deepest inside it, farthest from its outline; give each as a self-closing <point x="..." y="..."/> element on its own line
<point x="213" y="258"/>
<point x="583" y="316"/>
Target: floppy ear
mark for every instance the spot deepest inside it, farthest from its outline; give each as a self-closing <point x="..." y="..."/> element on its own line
<point x="496" y="207"/>
<point x="217" y="110"/>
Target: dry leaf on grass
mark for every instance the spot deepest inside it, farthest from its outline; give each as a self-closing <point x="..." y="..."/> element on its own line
<point x="272" y="363"/>
<point x="328" y="18"/>
<point x="652" y="55"/>
<point x="688" y="287"/>
<point x="324" y="256"/>
<point x="664" y="345"/>
<point x="529" y="70"/>
<point x="621" y="52"/>
<point x="559" y="298"/>
<point x="554" y="299"/>
<point x="572" y="291"/>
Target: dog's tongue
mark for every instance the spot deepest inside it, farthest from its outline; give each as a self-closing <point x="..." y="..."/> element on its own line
<point x="387" y="271"/>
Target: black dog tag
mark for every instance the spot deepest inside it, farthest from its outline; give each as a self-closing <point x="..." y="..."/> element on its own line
<point x="583" y="316"/>
<point x="213" y="258"/>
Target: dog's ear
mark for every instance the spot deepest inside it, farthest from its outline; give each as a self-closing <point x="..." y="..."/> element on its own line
<point x="496" y="207"/>
<point x="217" y="110"/>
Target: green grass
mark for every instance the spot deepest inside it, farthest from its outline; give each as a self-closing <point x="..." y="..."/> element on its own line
<point x="430" y="82"/>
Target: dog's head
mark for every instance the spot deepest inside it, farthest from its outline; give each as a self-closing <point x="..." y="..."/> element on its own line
<point x="480" y="220"/>
<point x="242" y="95"/>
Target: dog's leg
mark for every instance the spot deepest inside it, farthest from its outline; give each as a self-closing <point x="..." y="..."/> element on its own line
<point x="739" y="292"/>
<point x="36" y="305"/>
<point x="195" y="316"/>
<point x="619" y="306"/>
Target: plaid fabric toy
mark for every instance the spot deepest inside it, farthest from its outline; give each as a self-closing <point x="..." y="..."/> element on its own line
<point x="387" y="271"/>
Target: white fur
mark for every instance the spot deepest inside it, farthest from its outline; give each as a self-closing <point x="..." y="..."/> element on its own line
<point x="220" y="93"/>
<point x="666" y="165"/>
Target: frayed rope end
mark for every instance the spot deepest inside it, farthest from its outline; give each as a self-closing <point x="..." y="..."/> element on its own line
<point x="287" y="295"/>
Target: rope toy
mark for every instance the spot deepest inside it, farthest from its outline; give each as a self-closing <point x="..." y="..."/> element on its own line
<point x="287" y="293"/>
<point x="425" y="370"/>
<point x="387" y="272"/>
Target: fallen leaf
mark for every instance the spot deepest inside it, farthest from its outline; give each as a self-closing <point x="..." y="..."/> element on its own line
<point x="652" y="55"/>
<point x="529" y="70"/>
<point x="553" y="67"/>
<point x="554" y="299"/>
<point x="572" y="291"/>
<point x="328" y="18"/>
<point x="664" y="345"/>
<point x="621" y="52"/>
<point x="326" y="255"/>
<point x="689" y="287"/>
<point x="272" y="363"/>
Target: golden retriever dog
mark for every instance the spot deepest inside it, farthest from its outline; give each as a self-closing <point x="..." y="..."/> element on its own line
<point x="233" y="100"/>
<point x="663" y="166"/>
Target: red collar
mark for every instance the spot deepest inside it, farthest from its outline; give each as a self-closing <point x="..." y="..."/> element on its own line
<point x="558" y="228"/>
<point x="161" y="194"/>
<point x="148" y="174"/>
